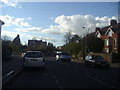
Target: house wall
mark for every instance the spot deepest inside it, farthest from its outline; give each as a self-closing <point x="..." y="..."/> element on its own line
<point x="110" y="44"/>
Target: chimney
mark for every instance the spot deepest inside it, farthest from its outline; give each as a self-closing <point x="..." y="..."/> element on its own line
<point x="97" y="29"/>
<point x="113" y="22"/>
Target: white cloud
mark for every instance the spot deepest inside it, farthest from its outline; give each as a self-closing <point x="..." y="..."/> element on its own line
<point x="9" y="34"/>
<point x="75" y="23"/>
<point x="34" y="29"/>
<point x="25" y="36"/>
<point x="53" y="29"/>
<point x="11" y="3"/>
<point x="10" y="20"/>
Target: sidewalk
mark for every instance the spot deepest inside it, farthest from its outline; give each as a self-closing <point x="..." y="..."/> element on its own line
<point x="11" y="65"/>
<point x="117" y="65"/>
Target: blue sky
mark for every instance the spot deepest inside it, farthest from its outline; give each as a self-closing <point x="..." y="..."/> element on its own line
<point x="51" y="21"/>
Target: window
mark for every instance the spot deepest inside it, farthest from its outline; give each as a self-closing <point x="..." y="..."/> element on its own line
<point x="33" y="54"/>
<point x="115" y="41"/>
<point x="110" y="41"/>
<point x="107" y="42"/>
<point x="90" y="57"/>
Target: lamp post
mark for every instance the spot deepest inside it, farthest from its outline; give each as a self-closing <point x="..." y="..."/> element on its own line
<point x="86" y="40"/>
<point x="1" y="23"/>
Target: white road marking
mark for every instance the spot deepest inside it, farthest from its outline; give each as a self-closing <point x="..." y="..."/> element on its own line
<point x="9" y="73"/>
<point x="99" y="81"/>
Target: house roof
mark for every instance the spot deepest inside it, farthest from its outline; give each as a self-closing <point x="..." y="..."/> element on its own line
<point x="115" y="29"/>
<point x="103" y="30"/>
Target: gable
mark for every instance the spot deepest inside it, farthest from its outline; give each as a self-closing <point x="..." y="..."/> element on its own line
<point x="109" y="32"/>
<point x="98" y="34"/>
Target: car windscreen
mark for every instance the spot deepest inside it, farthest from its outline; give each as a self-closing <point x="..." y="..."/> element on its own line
<point x="33" y="54"/>
<point x="97" y="57"/>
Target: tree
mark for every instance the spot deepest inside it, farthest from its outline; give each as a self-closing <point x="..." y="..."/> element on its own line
<point x="67" y="37"/>
<point x="24" y="48"/>
<point x="74" y="46"/>
<point x="6" y="49"/>
<point x="94" y="44"/>
<point x="17" y="40"/>
<point x="75" y="38"/>
<point x="17" y="46"/>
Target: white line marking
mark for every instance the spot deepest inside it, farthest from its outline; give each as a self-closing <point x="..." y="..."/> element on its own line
<point x="99" y="81"/>
<point x="9" y="73"/>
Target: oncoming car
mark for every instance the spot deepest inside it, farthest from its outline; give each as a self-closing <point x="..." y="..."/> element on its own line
<point x="33" y="59"/>
<point x="96" y="61"/>
<point x="62" y="56"/>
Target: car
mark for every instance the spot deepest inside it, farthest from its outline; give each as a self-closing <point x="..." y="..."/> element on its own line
<point x="62" y="56"/>
<point x="33" y="59"/>
<point x="96" y="61"/>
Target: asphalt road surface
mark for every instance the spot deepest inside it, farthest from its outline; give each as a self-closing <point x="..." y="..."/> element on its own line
<point x="65" y="75"/>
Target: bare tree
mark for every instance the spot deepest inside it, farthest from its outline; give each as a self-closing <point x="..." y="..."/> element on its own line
<point x="67" y="37"/>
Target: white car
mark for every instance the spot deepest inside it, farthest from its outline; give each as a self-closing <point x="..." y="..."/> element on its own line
<point x="34" y="59"/>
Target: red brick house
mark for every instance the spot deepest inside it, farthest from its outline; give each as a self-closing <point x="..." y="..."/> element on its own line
<point x="111" y="36"/>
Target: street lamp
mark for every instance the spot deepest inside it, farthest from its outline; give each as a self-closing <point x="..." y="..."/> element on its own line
<point x="86" y="40"/>
<point x="1" y="23"/>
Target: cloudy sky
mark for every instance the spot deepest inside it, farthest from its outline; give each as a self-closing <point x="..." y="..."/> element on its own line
<point x="52" y="20"/>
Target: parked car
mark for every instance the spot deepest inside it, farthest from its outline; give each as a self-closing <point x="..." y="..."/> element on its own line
<point x="33" y="59"/>
<point x="96" y="61"/>
<point x="62" y="56"/>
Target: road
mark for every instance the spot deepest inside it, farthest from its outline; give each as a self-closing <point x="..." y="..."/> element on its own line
<point x="65" y="75"/>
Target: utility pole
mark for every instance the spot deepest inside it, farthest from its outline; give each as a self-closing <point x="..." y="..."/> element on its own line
<point x="86" y="40"/>
<point x="1" y="23"/>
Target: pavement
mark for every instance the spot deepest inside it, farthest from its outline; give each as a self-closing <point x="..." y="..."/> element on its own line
<point x="117" y="65"/>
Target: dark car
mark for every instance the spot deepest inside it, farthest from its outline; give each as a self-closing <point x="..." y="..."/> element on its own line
<point x="96" y="61"/>
<point x="62" y="56"/>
